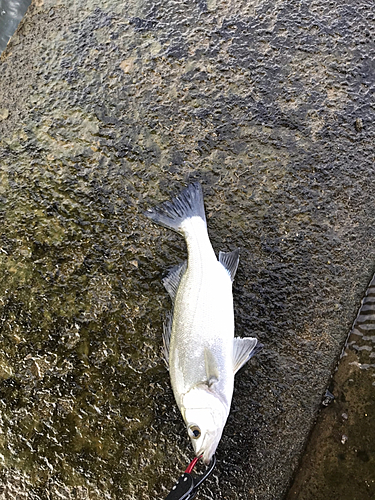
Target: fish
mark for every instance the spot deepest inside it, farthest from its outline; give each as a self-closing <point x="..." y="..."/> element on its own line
<point x="200" y="349"/>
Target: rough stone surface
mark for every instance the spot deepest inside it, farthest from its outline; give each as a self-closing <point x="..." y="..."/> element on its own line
<point x="111" y="107"/>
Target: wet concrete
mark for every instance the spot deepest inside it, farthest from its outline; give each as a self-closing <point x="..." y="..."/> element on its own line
<point x="105" y="110"/>
<point x="339" y="462"/>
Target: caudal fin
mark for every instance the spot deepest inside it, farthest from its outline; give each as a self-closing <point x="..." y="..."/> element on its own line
<point x="171" y="214"/>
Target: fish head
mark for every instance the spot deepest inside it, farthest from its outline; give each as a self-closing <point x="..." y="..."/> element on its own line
<point x="205" y="415"/>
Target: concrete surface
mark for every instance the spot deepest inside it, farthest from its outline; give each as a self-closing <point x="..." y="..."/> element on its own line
<point x="108" y="108"/>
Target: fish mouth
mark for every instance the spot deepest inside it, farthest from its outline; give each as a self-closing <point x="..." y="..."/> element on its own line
<point x="207" y="449"/>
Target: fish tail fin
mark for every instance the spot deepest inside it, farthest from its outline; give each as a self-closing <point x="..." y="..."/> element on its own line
<point x="171" y="214"/>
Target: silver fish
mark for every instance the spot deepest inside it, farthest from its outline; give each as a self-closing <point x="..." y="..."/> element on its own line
<point x="199" y="344"/>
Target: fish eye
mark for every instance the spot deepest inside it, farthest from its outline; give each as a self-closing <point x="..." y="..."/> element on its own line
<point x="194" y="431"/>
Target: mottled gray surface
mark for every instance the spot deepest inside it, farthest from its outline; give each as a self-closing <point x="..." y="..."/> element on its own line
<point x="107" y="109"/>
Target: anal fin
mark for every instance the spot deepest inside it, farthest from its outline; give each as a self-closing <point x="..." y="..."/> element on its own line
<point x="167" y="329"/>
<point x="172" y="281"/>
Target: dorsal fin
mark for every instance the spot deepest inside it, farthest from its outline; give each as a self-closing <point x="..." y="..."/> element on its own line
<point x="243" y="350"/>
<point x="212" y="370"/>
<point x="230" y="261"/>
<point x="172" y="281"/>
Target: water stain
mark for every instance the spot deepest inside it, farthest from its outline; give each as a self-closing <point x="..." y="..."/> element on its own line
<point x="339" y="462"/>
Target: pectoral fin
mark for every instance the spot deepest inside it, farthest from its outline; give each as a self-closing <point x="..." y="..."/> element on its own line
<point x="243" y="350"/>
<point x="212" y="370"/>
